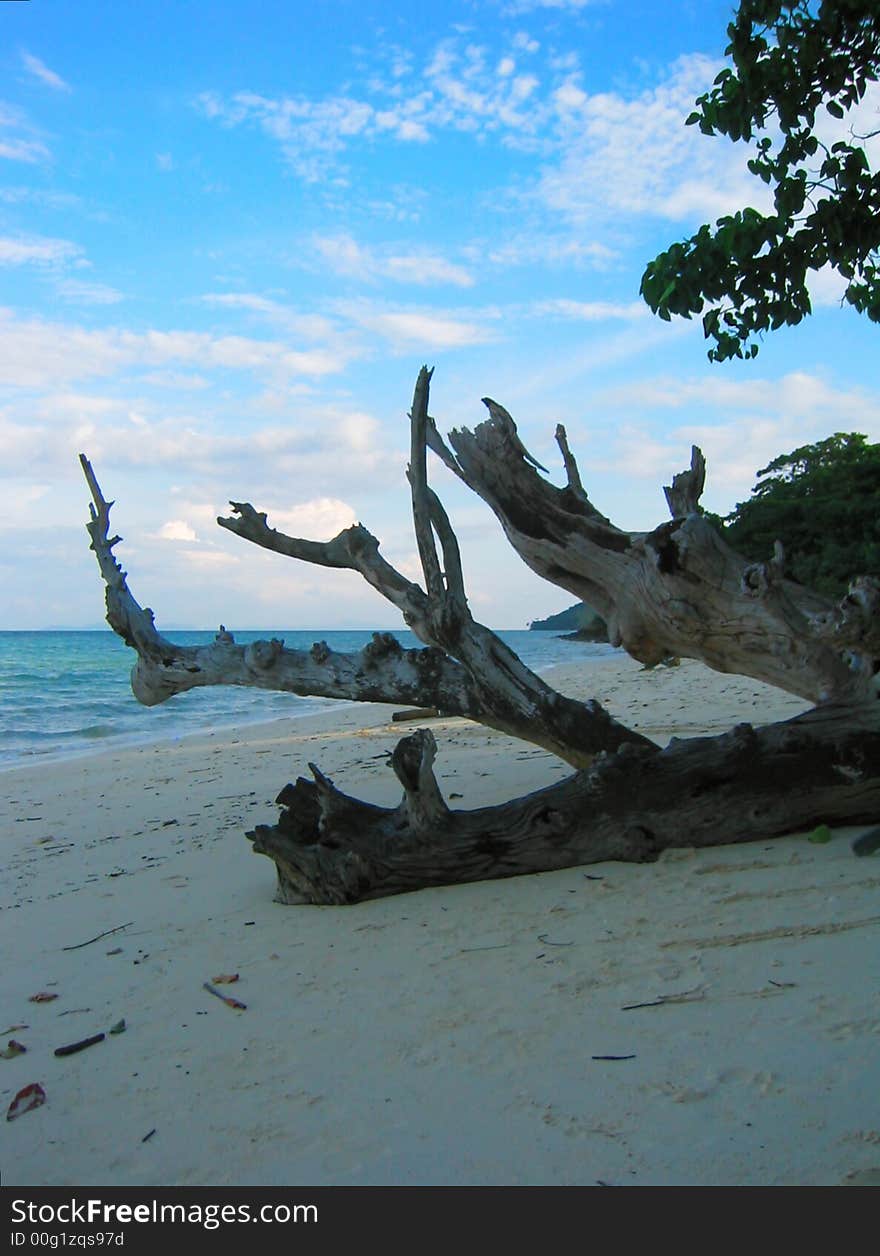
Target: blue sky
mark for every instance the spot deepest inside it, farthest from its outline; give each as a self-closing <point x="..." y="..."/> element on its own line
<point x="230" y="235"/>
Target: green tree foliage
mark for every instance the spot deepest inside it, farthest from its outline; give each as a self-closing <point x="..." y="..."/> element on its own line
<point x="794" y="61"/>
<point x="822" y="502"/>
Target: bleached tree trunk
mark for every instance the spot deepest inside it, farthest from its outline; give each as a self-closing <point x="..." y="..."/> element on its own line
<point x="676" y="590"/>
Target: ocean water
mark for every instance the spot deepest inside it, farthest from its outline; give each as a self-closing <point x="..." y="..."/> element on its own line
<point x="63" y="694"/>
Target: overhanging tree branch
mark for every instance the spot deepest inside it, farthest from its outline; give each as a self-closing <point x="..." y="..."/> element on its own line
<point x="791" y="61"/>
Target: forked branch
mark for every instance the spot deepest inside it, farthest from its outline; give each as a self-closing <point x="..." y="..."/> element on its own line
<point x="675" y="590"/>
<point x="466" y="670"/>
<point x="679" y="589"/>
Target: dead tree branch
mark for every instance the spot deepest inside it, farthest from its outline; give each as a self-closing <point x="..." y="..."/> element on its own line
<point x="466" y="670"/>
<point x="630" y="806"/>
<point x="678" y="590"/>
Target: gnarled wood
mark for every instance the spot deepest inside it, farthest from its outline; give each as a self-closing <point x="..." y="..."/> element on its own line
<point x="678" y="590"/>
<point x="466" y="670"/>
<point x="748" y="784"/>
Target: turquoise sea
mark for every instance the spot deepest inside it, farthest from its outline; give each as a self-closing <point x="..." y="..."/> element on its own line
<point x="67" y="693"/>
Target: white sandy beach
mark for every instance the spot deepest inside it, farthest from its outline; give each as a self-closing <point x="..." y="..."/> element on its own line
<point x="443" y="1037"/>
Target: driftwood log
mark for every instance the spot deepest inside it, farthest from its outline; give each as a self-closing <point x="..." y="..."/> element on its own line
<point x="677" y="590"/>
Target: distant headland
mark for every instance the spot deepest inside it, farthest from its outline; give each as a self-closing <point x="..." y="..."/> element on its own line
<point x="578" y="623"/>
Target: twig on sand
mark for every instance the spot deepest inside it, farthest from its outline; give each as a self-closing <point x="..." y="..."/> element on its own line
<point x="686" y="996"/>
<point x="227" y="998"/>
<point x="73" y="1047"/>
<point x="542" y="937"/>
<point x="97" y="937"/>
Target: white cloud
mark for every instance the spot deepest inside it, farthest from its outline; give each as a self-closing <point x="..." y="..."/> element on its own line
<point x="425" y="268"/>
<point x="209" y="559"/>
<point x="41" y="196"/>
<point x="861" y="121"/>
<point x="548" y="248"/>
<point x="19" y="498"/>
<point x="523" y="42"/>
<point x="57" y="255"/>
<point x="317" y="520"/>
<point x="346" y="257"/>
<point x="311" y="133"/>
<point x="177" y="530"/>
<point x="37" y="353"/>
<point x="429" y="328"/>
<point x="798" y="394"/>
<point x="31" y="151"/>
<point x="41" y="250"/>
<point x="458" y="89"/>
<point x="570" y="96"/>
<point x="606" y="157"/>
<point x="635" y="156"/>
<point x="75" y="290"/>
<point x="16" y="138"/>
<point x="572" y="365"/>
<point x="176" y="380"/>
<point x="590" y="311"/>
<point x="309" y="326"/>
<point x="359" y="432"/>
<point x="333" y="450"/>
<point x="34" y="353"/>
<point x="826" y="286"/>
<point x="41" y="71"/>
<point x="756" y="420"/>
<point x="633" y="446"/>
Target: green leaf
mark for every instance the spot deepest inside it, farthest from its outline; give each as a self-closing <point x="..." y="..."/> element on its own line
<point x="788" y="59"/>
<point x="820" y="836"/>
